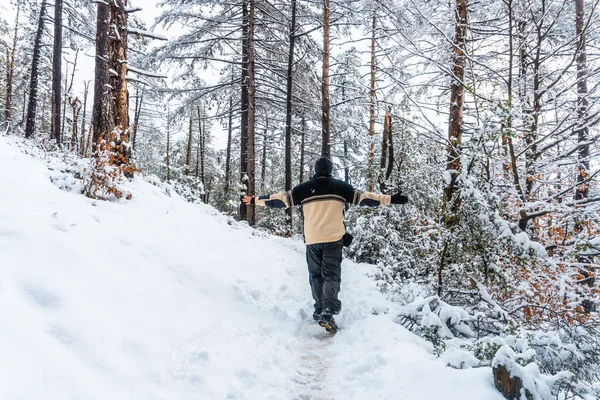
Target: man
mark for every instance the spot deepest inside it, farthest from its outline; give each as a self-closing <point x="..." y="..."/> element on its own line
<point x="323" y="199"/>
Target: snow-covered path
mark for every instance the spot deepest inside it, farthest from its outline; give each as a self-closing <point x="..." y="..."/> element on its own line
<point x="157" y="298"/>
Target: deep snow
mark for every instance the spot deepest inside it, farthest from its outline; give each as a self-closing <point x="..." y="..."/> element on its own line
<point x="156" y="298"/>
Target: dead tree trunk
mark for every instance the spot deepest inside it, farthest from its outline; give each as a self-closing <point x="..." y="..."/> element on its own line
<point x="76" y="109"/>
<point x="33" y="82"/>
<point x="56" y="74"/>
<point x="139" y="99"/>
<point x="99" y="124"/>
<point x="251" y="218"/>
<point x="67" y="97"/>
<point x="372" y="105"/>
<point x="10" y="73"/>
<point x="455" y="125"/>
<point x="325" y="105"/>
<point x="86" y="87"/>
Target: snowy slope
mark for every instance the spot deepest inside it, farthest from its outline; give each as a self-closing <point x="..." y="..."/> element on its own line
<point x="157" y="298"/>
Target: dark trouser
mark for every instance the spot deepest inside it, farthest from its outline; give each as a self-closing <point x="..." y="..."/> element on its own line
<point x="325" y="274"/>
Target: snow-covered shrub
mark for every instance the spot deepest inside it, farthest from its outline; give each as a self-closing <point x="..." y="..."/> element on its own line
<point x="274" y="221"/>
<point x="190" y="188"/>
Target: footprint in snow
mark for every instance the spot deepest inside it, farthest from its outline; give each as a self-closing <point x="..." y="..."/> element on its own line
<point x="41" y="296"/>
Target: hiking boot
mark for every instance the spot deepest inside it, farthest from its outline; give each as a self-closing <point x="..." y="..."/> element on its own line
<point x="317" y="316"/>
<point x="327" y="321"/>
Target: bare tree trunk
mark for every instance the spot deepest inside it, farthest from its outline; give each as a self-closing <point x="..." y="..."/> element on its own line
<point x="168" y="155"/>
<point x="582" y="130"/>
<point x="198" y="150"/>
<point x="583" y="155"/>
<point x="88" y="141"/>
<point x="33" y="82"/>
<point x="119" y="100"/>
<point x="86" y="87"/>
<point x="202" y="135"/>
<point x="244" y="111"/>
<point x="455" y="125"/>
<point x="188" y="153"/>
<point x="372" y="100"/>
<point x="302" y="149"/>
<point x="10" y="73"/>
<point x="251" y="218"/>
<point x="288" y="115"/>
<point x="99" y="124"/>
<point x="56" y="74"/>
<point x="346" y="169"/>
<point x="510" y="162"/>
<point x="386" y="166"/>
<point x="67" y="96"/>
<point x="228" y="155"/>
<point x="533" y="111"/>
<point x="76" y="108"/>
<point x="139" y="99"/>
<point x="263" y="165"/>
<point x="325" y="106"/>
<point x="390" y="166"/>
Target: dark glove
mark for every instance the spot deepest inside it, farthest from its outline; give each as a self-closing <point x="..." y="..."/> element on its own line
<point x="399" y="199"/>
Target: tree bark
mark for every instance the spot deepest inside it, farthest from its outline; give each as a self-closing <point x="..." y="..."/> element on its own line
<point x="67" y="94"/>
<point x="372" y="104"/>
<point x="99" y="124"/>
<point x="10" y="73"/>
<point x="76" y="107"/>
<point x="56" y="74"/>
<point x="263" y="164"/>
<point x="583" y="155"/>
<point x="288" y="115"/>
<point x="582" y="191"/>
<point x="302" y="149"/>
<point x="244" y="110"/>
<point x="33" y="82"/>
<point x="86" y="87"/>
<point x="139" y="99"/>
<point x="532" y="111"/>
<point x="251" y="218"/>
<point x="168" y="155"/>
<point x="228" y="155"/>
<point x="201" y="138"/>
<point x="387" y="153"/>
<point x="117" y="62"/>
<point x="455" y="126"/>
<point x="188" y="152"/>
<point x="325" y="106"/>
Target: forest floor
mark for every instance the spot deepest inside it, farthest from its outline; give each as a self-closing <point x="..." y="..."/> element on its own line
<point x="157" y="298"/>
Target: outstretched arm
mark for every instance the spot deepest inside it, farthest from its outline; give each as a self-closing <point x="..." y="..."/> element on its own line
<point x="369" y="199"/>
<point x="278" y="200"/>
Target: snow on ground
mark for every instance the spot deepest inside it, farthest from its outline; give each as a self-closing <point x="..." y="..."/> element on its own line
<point x="156" y="298"/>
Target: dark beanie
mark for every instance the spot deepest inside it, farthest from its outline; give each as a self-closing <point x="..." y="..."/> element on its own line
<point x="323" y="167"/>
